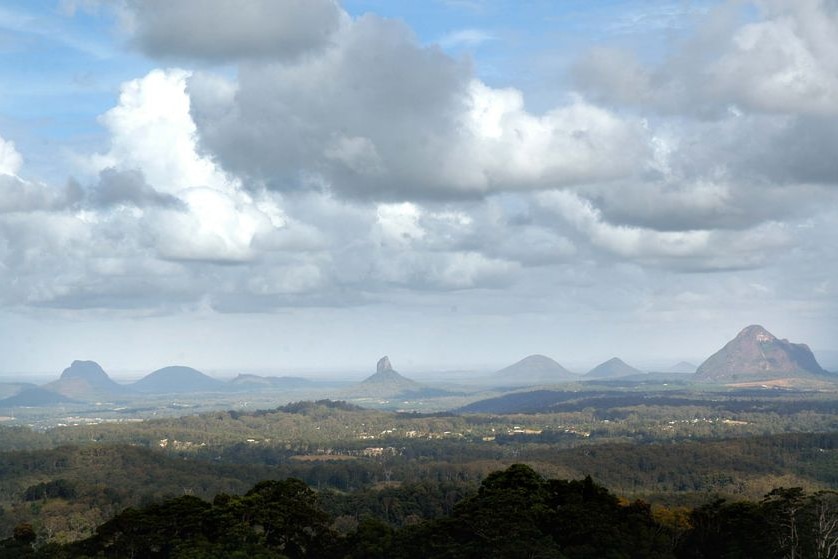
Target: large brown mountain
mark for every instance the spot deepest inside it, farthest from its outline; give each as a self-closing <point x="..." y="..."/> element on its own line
<point x="85" y="380"/>
<point x="756" y="354"/>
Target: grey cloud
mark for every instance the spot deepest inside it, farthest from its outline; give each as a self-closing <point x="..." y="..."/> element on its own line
<point x="19" y="195"/>
<point x="705" y="204"/>
<point x="785" y="62"/>
<point x="699" y="250"/>
<point x="801" y="149"/>
<point x="130" y="188"/>
<point x="224" y="30"/>
<point x="378" y="116"/>
<point x="377" y="99"/>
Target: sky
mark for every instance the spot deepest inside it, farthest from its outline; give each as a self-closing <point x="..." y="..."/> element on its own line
<point x="307" y="185"/>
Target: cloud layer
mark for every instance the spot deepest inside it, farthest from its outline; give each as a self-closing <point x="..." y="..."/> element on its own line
<point x="346" y="163"/>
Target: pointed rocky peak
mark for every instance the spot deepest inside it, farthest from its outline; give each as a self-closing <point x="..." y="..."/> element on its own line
<point x="385" y="374"/>
<point x="383" y="365"/>
<point x="756" y="333"/>
<point x="87" y="370"/>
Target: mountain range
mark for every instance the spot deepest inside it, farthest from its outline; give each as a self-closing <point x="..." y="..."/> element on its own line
<point x="754" y="355"/>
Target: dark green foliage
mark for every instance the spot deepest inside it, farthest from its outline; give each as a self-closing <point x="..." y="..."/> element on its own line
<point x="275" y="518"/>
<point x="515" y="513"/>
<point x="304" y="407"/>
<point x="727" y="531"/>
<point x="56" y="489"/>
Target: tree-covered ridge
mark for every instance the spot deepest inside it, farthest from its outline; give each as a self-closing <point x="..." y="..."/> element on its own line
<point x="515" y="513"/>
<point x="82" y="475"/>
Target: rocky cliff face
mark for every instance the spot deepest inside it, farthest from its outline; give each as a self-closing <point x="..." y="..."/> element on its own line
<point x="386" y="375"/>
<point x="383" y="365"/>
<point x="756" y="354"/>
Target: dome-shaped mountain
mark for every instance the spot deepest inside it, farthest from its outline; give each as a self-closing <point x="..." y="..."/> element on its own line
<point x="682" y="367"/>
<point x="90" y="371"/>
<point x="246" y="382"/>
<point x="756" y="354"/>
<point x="613" y="368"/>
<point x="86" y="380"/>
<point x="534" y="369"/>
<point x="177" y="379"/>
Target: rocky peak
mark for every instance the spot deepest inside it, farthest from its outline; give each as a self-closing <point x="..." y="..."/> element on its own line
<point x="755" y="353"/>
<point x="756" y="333"/>
<point x="88" y="370"/>
<point x="383" y="365"/>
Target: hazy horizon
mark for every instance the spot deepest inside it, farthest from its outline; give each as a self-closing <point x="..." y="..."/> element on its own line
<point x="455" y="184"/>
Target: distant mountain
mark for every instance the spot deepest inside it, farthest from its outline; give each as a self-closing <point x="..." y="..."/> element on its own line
<point x="9" y="389"/>
<point x="681" y="367"/>
<point x="247" y="382"/>
<point x="756" y="354"/>
<point x="613" y="368"/>
<point x="384" y="383"/>
<point x="87" y="381"/>
<point x="177" y="380"/>
<point x="35" y="397"/>
<point x="534" y="369"/>
<point x="385" y="375"/>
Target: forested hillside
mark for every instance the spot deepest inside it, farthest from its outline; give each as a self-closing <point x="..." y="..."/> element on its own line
<point x="514" y="513"/>
<point x="401" y="468"/>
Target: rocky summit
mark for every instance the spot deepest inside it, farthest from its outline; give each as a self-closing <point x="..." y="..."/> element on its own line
<point x="88" y="370"/>
<point x="756" y="354"/>
<point x="383" y="365"/>
<point x="385" y="374"/>
<point x="87" y="381"/>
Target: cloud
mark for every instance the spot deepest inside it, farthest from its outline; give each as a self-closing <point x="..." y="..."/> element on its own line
<point x="202" y="212"/>
<point x="19" y="195"/>
<point x="355" y="166"/>
<point x="784" y="61"/>
<point x="695" y="250"/>
<point x="378" y="116"/>
<point x="224" y="30"/>
<point x="150" y="129"/>
<point x="10" y="159"/>
<point x="128" y="187"/>
<point x="468" y="38"/>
